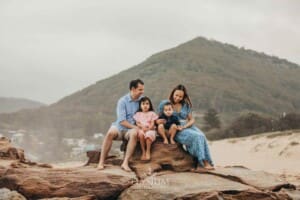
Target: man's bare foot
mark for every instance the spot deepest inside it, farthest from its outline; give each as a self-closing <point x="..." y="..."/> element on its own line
<point x="100" y="167"/>
<point x="172" y="141"/>
<point x="126" y="168"/>
<point x="166" y="141"/>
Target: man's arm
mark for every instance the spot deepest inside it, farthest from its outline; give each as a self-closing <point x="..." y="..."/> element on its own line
<point x="160" y="120"/>
<point x="121" y="114"/>
<point x="126" y="124"/>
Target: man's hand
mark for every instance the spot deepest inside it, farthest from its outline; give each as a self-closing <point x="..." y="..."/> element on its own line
<point x="161" y="121"/>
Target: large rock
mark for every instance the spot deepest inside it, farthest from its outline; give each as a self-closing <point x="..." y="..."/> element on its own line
<point x="6" y="194"/>
<point x="35" y="183"/>
<point x="163" y="177"/>
<point x="195" y="186"/>
<point x="258" y="179"/>
<point x="88" y="197"/>
<point x="163" y="157"/>
<point x="7" y="151"/>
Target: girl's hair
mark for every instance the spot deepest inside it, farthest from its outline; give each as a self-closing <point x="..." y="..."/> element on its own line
<point x="185" y="99"/>
<point x="143" y="99"/>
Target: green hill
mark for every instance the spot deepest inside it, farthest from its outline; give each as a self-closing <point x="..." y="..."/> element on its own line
<point x="8" y="105"/>
<point x="230" y="79"/>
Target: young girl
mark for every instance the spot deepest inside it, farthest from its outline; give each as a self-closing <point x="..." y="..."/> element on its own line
<point x="145" y="117"/>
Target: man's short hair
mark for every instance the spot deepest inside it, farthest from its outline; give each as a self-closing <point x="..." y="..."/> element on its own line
<point x="134" y="83"/>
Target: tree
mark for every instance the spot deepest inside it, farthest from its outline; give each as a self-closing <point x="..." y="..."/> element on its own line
<point x="211" y="119"/>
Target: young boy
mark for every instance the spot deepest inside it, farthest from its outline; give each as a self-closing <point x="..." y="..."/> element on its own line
<point x="170" y="127"/>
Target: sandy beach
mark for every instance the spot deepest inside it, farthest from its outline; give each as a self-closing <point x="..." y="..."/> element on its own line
<point x="275" y="152"/>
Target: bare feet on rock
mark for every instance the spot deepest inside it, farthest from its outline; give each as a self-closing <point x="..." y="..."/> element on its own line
<point x="172" y="141"/>
<point x="148" y="156"/>
<point x="100" y="167"/>
<point x="207" y="165"/>
<point x="166" y="141"/>
<point x="143" y="157"/>
<point x="126" y="168"/>
<point x="210" y="168"/>
<point x="199" y="170"/>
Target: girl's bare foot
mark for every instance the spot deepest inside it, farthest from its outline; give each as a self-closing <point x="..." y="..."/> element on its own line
<point x="148" y="156"/>
<point x="166" y="141"/>
<point x="143" y="157"/>
<point x="172" y="141"/>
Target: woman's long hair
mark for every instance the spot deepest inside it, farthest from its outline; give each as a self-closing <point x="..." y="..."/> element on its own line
<point x="185" y="99"/>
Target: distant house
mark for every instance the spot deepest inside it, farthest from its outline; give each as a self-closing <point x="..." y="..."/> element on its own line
<point x="17" y="138"/>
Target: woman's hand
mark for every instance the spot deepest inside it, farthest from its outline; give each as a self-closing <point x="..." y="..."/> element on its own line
<point x="179" y="128"/>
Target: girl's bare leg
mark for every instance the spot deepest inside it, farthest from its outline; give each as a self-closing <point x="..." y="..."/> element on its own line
<point x="148" y="144"/>
<point x="143" y="148"/>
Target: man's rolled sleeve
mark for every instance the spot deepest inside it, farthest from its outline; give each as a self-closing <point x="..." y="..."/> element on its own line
<point x="121" y="111"/>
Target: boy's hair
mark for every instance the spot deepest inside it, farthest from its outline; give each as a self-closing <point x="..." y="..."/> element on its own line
<point x="135" y="83"/>
<point x="143" y="99"/>
<point x="167" y="104"/>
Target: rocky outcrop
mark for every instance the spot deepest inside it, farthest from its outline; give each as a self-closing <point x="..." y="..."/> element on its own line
<point x="6" y="194"/>
<point x="166" y="176"/>
<point x="7" y="151"/>
<point x="36" y="182"/>
<point x="196" y="186"/>
<point x="163" y="157"/>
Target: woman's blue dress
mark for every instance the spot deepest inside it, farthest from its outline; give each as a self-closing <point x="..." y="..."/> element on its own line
<point x="192" y="137"/>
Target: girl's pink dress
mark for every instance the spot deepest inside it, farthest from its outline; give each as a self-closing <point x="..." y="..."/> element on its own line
<point x="145" y="119"/>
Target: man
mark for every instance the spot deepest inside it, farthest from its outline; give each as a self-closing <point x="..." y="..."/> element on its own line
<point x="124" y="127"/>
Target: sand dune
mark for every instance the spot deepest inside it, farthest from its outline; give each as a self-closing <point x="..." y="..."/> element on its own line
<point x="275" y="152"/>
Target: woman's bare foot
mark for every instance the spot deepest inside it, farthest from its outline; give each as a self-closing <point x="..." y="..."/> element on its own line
<point x="172" y="141"/>
<point x="126" y="168"/>
<point x="208" y="166"/>
<point x="200" y="169"/>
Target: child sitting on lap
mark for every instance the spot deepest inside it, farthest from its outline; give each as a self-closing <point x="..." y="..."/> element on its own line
<point x="171" y="125"/>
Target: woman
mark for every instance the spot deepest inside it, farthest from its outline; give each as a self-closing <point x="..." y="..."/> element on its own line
<point x="190" y="135"/>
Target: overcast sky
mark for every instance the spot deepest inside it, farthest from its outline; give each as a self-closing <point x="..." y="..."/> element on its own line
<point x="52" y="48"/>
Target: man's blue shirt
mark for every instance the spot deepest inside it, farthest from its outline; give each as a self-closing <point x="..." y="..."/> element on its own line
<point x="126" y="108"/>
